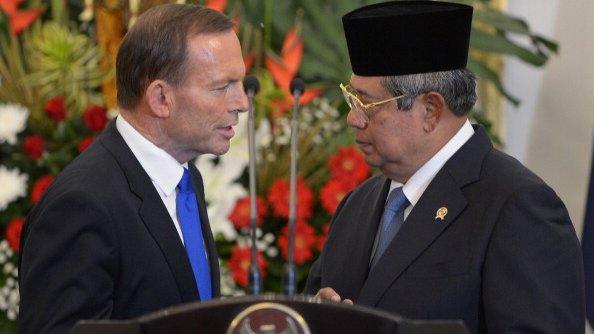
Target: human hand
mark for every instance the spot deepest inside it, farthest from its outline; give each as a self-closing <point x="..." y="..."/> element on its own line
<point x="331" y="295"/>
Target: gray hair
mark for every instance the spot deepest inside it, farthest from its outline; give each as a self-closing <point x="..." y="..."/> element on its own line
<point x="458" y="88"/>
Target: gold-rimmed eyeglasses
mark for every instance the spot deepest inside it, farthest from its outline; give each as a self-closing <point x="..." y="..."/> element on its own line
<point x="355" y="103"/>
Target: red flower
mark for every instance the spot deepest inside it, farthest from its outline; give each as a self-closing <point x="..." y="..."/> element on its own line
<point x="9" y="6"/>
<point x="241" y="213"/>
<point x="19" y="19"/>
<point x="23" y="19"/>
<point x="239" y="264"/>
<point x="33" y="146"/>
<point x="323" y="237"/>
<point x="85" y="143"/>
<point x="284" y="68"/>
<point x="13" y="233"/>
<point x="305" y="239"/>
<point x="332" y="193"/>
<point x="347" y="165"/>
<point x="56" y="108"/>
<point x="218" y="5"/>
<point x="95" y="118"/>
<point x="40" y="186"/>
<point x="278" y="197"/>
<point x="248" y="60"/>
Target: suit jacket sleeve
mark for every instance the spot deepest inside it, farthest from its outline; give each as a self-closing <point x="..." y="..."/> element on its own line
<point x="314" y="279"/>
<point x="533" y="276"/>
<point x="69" y="264"/>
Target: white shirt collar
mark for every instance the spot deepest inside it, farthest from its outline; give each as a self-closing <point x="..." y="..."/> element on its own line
<point x="162" y="168"/>
<point x="416" y="185"/>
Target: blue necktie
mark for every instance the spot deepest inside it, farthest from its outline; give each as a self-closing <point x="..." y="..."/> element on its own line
<point x="392" y="220"/>
<point x="189" y="221"/>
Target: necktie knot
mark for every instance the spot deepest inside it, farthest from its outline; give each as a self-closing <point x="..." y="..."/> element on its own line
<point x="185" y="184"/>
<point x="396" y="200"/>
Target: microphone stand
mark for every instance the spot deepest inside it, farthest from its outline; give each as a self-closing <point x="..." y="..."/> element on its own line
<point x="251" y="86"/>
<point x="290" y="279"/>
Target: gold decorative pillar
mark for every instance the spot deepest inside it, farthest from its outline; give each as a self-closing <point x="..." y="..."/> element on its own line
<point x="110" y="32"/>
<point x="491" y="101"/>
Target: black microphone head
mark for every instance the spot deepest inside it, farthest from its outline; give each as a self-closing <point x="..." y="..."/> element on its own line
<point x="251" y="84"/>
<point x="297" y="85"/>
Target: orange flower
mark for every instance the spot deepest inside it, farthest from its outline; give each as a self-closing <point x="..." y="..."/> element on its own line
<point x="333" y="192"/>
<point x="239" y="264"/>
<point x="23" y="19"/>
<point x="241" y="213"/>
<point x="305" y="240"/>
<point x="218" y="5"/>
<point x="10" y="6"/>
<point x="248" y="60"/>
<point x="348" y="165"/>
<point x="278" y="197"/>
<point x="19" y="19"/>
<point x="285" y="68"/>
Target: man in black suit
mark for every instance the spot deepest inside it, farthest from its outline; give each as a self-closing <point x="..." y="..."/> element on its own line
<point x="453" y="229"/>
<point x="123" y="230"/>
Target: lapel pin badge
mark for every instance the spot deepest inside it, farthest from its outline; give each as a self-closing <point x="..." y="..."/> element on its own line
<point x="441" y="213"/>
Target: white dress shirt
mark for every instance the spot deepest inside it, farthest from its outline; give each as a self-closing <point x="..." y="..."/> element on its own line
<point x="420" y="180"/>
<point x="162" y="168"/>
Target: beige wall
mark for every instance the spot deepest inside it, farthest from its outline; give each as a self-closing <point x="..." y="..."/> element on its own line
<point x="554" y="132"/>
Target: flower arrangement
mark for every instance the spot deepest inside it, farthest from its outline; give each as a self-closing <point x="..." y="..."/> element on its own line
<point x="325" y="176"/>
<point x="31" y="157"/>
<point x="51" y="109"/>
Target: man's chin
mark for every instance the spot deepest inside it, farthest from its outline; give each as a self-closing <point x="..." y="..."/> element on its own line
<point x="221" y="150"/>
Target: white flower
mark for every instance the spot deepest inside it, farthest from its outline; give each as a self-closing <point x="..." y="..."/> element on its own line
<point x="13" y="120"/>
<point x="220" y="180"/>
<point x="14" y="185"/>
<point x="228" y="286"/>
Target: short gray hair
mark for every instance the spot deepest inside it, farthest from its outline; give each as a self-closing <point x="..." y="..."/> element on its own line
<point x="458" y="88"/>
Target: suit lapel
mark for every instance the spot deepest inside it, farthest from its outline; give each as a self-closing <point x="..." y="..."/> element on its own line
<point x="153" y="213"/>
<point x="421" y="228"/>
<point x="213" y="258"/>
<point x="365" y="224"/>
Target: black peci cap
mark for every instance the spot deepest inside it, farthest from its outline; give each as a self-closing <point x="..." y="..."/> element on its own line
<point x="408" y="37"/>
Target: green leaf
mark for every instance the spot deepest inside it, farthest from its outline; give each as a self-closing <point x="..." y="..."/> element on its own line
<point x="549" y="44"/>
<point x="484" y="41"/>
<point x="501" y="21"/>
<point x="484" y="72"/>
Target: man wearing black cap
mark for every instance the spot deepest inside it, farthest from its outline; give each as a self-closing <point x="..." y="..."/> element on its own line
<point x="453" y="229"/>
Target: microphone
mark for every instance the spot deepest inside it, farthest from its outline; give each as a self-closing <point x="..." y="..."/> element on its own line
<point x="290" y="280"/>
<point x="297" y="87"/>
<point x="251" y="87"/>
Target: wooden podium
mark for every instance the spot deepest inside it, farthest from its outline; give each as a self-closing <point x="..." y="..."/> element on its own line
<point x="269" y="314"/>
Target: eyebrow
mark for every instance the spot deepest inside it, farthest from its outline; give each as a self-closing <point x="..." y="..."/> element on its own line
<point x="363" y="93"/>
<point x="224" y="81"/>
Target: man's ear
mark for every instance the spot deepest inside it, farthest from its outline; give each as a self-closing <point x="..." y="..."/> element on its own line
<point x="159" y="97"/>
<point x="434" y="105"/>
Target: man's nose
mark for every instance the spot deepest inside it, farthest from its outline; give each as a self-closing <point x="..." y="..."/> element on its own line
<point x="240" y="101"/>
<point x="355" y="120"/>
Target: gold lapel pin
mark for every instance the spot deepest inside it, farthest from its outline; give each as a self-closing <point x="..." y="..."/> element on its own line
<point x="441" y="213"/>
